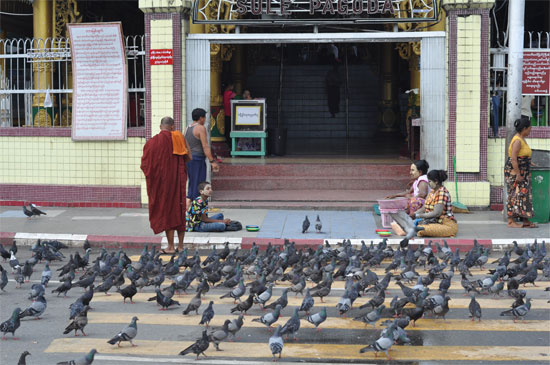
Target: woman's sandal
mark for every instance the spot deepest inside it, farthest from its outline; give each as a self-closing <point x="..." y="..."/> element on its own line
<point x="530" y="225"/>
<point x="514" y="225"/>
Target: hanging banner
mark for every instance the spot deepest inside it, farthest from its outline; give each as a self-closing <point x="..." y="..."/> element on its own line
<point x="100" y="85"/>
<point x="536" y="73"/>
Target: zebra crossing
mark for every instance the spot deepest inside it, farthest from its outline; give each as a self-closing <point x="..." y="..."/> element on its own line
<point x="163" y="334"/>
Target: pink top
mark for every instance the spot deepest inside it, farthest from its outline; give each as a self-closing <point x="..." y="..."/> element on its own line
<point x="417" y="181"/>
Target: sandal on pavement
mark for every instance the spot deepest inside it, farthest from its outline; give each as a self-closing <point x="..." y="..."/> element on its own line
<point x="530" y="225"/>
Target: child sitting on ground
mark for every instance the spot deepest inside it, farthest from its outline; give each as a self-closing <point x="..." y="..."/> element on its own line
<point x="197" y="215"/>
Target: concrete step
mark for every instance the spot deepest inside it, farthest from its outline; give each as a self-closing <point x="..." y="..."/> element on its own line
<point x="298" y="199"/>
<point x="352" y="169"/>
<point x="307" y="182"/>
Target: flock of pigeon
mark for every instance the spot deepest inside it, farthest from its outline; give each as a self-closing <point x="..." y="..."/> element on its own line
<point x="227" y="269"/>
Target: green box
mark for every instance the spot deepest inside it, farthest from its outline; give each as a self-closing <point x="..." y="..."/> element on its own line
<point x="540" y="181"/>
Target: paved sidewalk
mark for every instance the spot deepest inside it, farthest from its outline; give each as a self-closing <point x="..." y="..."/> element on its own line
<point x="127" y="227"/>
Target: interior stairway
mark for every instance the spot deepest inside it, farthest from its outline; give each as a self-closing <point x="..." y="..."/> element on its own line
<point x="323" y="186"/>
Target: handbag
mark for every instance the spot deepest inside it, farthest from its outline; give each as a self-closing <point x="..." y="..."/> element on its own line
<point x="234" y="226"/>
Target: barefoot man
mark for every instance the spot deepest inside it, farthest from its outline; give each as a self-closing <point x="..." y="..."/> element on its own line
<point x="163" y="163"/>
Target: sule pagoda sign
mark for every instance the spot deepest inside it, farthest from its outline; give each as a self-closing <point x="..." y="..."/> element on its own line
<point x="313" y="11"/>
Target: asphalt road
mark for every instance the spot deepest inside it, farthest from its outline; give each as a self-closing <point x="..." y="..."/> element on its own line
<point x="162" y="335"/>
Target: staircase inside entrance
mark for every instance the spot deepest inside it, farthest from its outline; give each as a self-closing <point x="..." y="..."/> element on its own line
<point x="351" y="185"/>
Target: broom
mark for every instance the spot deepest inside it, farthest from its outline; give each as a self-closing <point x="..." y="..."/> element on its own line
<point x="458" y="207"/>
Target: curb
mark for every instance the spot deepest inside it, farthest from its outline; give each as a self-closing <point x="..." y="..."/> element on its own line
<point x="110" y="241"/>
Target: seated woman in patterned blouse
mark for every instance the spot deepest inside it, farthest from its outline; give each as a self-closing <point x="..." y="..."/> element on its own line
<point x="437" y="213"/>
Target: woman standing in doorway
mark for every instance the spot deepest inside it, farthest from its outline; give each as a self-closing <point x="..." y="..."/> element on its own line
<point x="517" y="175"/>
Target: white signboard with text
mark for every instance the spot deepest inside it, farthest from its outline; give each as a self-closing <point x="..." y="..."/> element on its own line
<point x="100" y="85"/>
<point x="248" y="114"/>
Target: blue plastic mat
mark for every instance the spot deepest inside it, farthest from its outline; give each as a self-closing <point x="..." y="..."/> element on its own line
<point x="336" y="224"/>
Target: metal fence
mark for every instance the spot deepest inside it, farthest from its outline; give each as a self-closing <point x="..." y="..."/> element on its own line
<point x="499" y="87"/>
<point x="36" y="82"/>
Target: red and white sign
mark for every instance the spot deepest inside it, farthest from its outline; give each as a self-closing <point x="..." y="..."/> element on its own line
<point x="100" y="85"/>
<point x="160" y="57"/>
<point x="536" y="73"/>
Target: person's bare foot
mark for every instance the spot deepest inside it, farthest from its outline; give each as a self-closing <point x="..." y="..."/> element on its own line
<point x="512" y="224"/>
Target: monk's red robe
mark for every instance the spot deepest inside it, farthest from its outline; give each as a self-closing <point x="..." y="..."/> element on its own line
<point x="166" y="178"/>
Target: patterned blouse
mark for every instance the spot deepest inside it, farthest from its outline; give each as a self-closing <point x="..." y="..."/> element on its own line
<point x="440" y="196"/>
<point x="193" y="216"/>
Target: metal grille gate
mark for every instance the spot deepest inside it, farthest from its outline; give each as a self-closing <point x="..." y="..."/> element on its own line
<point x="27" y="66"/>
<point x="499" y="76"/>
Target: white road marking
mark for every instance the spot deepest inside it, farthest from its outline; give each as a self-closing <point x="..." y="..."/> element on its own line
<point x="482" y="222"/>
<point x="93" y="218"/>
<point x="50" y="236"/>
<point x="134" y="215"/>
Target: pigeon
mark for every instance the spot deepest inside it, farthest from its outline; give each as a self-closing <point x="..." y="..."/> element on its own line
<point x="22" y="358"/>
<point x="165" y="301"/>
<point x="128" y="292"/>
<point x="317" y="318"/>
<point x="46" y="275"/>
<point x="27" y="271"/>
<point x="413" y="313"/>
<point x="244" y="306"/>
<point x="3" y="278"/>
<point x="269" y="318"/>
<point x="383" y="344"/>
<point x="292" y="326"/>
<point x="14" y="262"/>
<point x="19" y="278"/>
<point x="264" y="296"/>
<point x="12" y="324"/>
<point x="208" y="314"/>
<point x="475" y="309"/>
<point x="27" y="212"/>
<point x="276" y="343"/>
<point x="63" y="288"/>
<point x="199" y="347"/>
<point x="372" y="317"/>
<point x="518" y="312"/>
<point x="318" y="224"/>
<point x="35" y="210"/>
<point x="80" y="321"/>
<point x="218" y="336"/>
<point x="76" y="308"/>
<point x="307" y="303"/>
<point x="282" y="301"/>
<point x="36" y="309"/>
<point x="235" y="326"/>
<point x="193" y="305"/>
<point x="237" y="292"/>
<point x="305" y="225"/>
<point x="344" y="303"/>
<point x="85" y="360"/>
<point x="128" y="333"/>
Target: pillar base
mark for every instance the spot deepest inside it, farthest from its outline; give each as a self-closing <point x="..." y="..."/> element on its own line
<point x="221" y="149"/>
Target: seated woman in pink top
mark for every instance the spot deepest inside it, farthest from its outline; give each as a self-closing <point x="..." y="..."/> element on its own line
<point x="418" y="188"/>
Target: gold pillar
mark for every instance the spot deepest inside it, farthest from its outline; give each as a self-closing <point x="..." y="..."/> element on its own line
<point x="216" y="94"/>
<point x="42" y="29"/>
<point x="237" y="62"/>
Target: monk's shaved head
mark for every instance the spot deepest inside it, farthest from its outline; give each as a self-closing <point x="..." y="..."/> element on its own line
<point x="167" y="121"/>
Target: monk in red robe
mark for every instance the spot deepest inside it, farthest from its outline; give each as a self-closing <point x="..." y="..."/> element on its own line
<point x="163" y="163"/>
